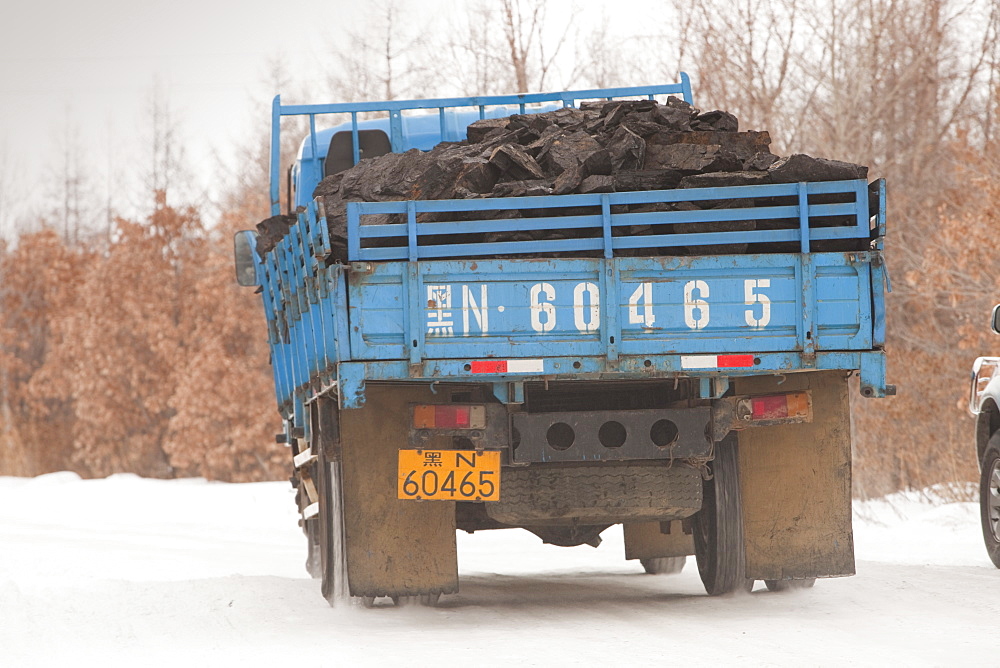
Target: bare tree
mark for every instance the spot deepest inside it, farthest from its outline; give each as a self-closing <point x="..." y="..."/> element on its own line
<point x="523" y="55"/>
<point x="70" y="205"/>
<point x="475" y="61"/>
<point x="10" y="192"/>
<point x="602" y="59"/>
<point x="167" y="176"/>
<point x="386" y="60"/>
<point x="745" y="55"/>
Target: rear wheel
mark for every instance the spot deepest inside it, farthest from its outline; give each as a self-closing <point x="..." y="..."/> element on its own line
<point x="989" y="498"/>
<point x="333" y="554"/>
<point x="314" y="553"/>
<point x="663" y="565"/>
<point x="329" y="531"/>
<point x="427" y="600"/>
<point x="718" y="526"/>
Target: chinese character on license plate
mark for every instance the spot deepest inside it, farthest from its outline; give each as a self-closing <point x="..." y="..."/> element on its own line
<point x="449" y="475"/>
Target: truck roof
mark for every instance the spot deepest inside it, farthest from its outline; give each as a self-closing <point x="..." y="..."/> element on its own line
<point x="421" y="130"/>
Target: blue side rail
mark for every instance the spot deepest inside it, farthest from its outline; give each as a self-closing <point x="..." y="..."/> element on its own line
<point x="423" y="240"/>
<point x="428" y="308"/>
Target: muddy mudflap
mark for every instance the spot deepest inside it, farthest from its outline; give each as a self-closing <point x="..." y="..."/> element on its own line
<point x="394" y="547"/>
<point x="795" y="483"/>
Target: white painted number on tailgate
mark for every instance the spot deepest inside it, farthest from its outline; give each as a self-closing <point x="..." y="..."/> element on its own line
<point x="586" y="317"/>
<point x="695" y="307"/>
<point x="543" y="313"/>
<point x="643" y="296"/>
<point x="750" y="287"/>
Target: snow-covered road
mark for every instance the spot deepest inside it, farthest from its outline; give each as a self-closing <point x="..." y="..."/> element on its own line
<point x="126" y="571"/>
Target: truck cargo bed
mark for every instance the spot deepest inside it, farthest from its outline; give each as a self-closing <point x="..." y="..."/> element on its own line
<point x="411" y="305"/>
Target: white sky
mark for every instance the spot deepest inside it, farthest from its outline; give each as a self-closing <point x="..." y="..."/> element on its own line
<point x="89" y="68"/>
<point x="92" y="66"/>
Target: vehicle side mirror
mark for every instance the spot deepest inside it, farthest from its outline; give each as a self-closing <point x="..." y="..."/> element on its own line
<point x="244" y="249"/>
<point x="995" y="320"/>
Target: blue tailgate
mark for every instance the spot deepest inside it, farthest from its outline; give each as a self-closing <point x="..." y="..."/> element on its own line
<point x="622" y="306"/>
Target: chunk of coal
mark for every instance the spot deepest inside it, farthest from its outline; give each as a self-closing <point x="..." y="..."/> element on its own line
<point x="527" y="188"/>
<point x="531" y="126"/>
<point x="271" y="230"/>
<point x="627" y="150"/>
<point x="447" y="173"/>
<point x="387" y="177"/>
<point x="801" y="167"/>
<point x="598" y="183"/>
<point x="513" y="160"/>
<point x="567" y="181"/>
<point x="744" y="145"/>
<point x="569" y="150"/>
<point x="721" y="179"/>
<point x="330" y="185"/>
<point x="646" y="179"/>
<point x="477" y="175"/>
<point x="567" y="117"/>
<point x="675" y="102"/>
<point x="673" y="118"/>
<point x="760" y="161"/>
<point x="691" y="158"/>
<point x="721" y="121"/>
<point x="615" y="112"/>
<point x="640" y="126"/>
<point x="598" y="162"/>
<point x="478" y="130"/>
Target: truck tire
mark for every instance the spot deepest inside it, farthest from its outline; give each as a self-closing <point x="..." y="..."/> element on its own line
<point x="332" y="542"/>
<point x="314" y="553"/>
<point x="989" y="498"/>
<point x="718" y="526"/>
<point x="663" y="565"/>
<point x="787" y="585"/>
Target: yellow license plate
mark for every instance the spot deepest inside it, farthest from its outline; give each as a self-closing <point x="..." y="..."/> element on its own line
<point x="449" y="475"/>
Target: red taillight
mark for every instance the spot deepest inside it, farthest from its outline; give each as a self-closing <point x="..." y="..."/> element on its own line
<point x="793" y="406"/>
<point x="449" y="417"/>
<point x="769" y="408"/>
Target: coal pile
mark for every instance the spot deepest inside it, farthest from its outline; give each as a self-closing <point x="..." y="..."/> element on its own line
<point x="597" y="148"/>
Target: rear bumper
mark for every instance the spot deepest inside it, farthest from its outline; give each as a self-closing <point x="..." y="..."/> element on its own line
<point x="351" y="376"/>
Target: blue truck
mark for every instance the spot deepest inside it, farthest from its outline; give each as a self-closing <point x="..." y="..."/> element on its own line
<point x="444" y="376"/>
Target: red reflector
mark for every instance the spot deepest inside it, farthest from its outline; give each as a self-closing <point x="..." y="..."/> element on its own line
<point x="451" y="417"/>
<point x="735" y="360"/>
<point x="769" y="408"/>
<point x="489" y="366"/>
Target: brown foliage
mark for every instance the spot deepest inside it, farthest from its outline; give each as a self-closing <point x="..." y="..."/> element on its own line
<point x="223" y="405"/>
<point x="939" y="312"/>
<point x="141" y="356"/>
<point x="37" y="283"/>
